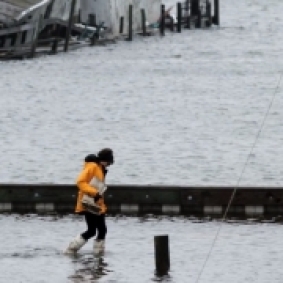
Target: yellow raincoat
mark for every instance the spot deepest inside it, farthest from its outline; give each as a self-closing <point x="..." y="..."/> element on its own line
<point x="90" y="170"/>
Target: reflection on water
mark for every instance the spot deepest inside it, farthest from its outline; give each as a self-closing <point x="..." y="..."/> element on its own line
<point x="162" y="278"/>
<point x="88" y="268"/>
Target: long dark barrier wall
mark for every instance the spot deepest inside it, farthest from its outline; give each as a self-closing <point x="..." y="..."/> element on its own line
<point x="139" y="200"/>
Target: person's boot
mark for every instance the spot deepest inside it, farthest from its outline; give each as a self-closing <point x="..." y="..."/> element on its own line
<point x="98" y="247"/>
<point x="75" y="245"/>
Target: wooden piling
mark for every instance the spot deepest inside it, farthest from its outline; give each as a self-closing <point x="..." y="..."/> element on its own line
<point x="143" y="21"/>
<point x="195" y="6"/>
<point x="35" y="36"/>
<point x="179" y="17"/>
<point x="94" y="37"/>
<point x="187" y="15"/>
<point x="70" y="25"/>
<point x="187" y="7"/>
<point x="162" y="20"/>
<point x="199" y="19"/>
<point x="18" y="40"/>
<point x="172" y="24"/>
<point x="162" y="256"/>
<point x="208" y="13"/>
<point x="54" y="46"/>
<point x="121" y="29"/>
<point x="188" y="22"/>
<point x="92" y="20"/>
<point x="130" y="38"/>
<point x="216" y="16"/>
<point x="79" y="16"/>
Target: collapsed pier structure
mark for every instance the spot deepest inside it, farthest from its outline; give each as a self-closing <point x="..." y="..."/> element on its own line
<point x="30" y="27"/>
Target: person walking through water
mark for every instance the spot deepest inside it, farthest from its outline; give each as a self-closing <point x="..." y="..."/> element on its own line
<point x="90" y="183"/>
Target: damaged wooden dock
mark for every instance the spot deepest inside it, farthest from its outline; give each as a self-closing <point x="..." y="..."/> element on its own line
<point x="42" y="35"/>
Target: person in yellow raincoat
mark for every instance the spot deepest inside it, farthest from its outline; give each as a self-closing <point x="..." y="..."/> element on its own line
<point x="89" y="182"/>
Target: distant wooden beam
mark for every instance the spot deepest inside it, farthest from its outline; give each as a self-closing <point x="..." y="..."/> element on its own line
<point x="16" y="29"/>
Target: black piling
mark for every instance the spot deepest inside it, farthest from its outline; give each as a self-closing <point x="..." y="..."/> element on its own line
<point x="188" y="15"/>
<point x="208" y="14"/>
<point x="162" y="256"/>
<point x="121" y="29"/>
<point x="199" y="19"/>
<point x="79" y="16"/>
<point x="143" y="21"/>
<point x="130" y="38"/>
<point x="187" y="7"/>
<point x="54" y="46"/>
<point x="179" y="17"/>
<point x="188" y="22"/>
<point x="216" y="16"/>
<point x="171" y="24"/>
<point x="70" y="25"/>
<point x="195" y="7"/>
<point x="162" y="20"/>
<point x="94" y="37"/>
<point x="92" y="20"/>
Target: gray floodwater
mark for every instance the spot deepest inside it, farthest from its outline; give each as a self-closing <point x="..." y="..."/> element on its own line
<point x="31" y="251"/>
<point x="184" y="109"/>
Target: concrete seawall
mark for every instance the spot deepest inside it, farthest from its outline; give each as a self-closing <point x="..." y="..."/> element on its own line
<point x="138" y="200"/>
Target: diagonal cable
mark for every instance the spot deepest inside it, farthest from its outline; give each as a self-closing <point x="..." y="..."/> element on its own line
<point x="239" y="180"/>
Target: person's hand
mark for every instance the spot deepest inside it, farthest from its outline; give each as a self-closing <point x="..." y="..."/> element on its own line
<point x="97" y="197"/>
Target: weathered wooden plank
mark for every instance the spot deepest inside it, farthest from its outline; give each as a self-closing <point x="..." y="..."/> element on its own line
<point x="16" y="29"/>
<point x="7" y="42"/>
<point x="20" y="4"/>
<point x="29" y="35"/>
<point x="18" y="39"/>
<point x="11" y="9"/>
<point x="35" y="36"/>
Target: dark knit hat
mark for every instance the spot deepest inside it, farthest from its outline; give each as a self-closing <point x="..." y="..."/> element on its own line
<point x="106" y="155"/>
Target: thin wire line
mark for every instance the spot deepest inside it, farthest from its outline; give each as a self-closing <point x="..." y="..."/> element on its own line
<point x="238" y="182"/>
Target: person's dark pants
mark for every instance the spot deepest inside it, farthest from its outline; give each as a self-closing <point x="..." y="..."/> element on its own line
<point x="94" y="222"/>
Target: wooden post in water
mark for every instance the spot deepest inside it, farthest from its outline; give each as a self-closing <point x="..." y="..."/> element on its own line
<point x="143" y="20"/>
<point x="130" y="38"/>
<point x="94" y="37"/>
<point x="162" y="20"/>
<point x="188" y="14"/>
<point x="188" y="22"/>
<point x="92" y="20"/>
<point x="54" y="46"/>
<point x="194" y="8"/>
<point x="179" y="17"/>
<point x="79" y="16"/>
<point x="172" y="24"/>
<point x="121" y="25"/>
<point x="199" y="19"/>
<point x="208" y="13"/>
<point x="216" y="16"/>
<point x="70" y="25"/>
<point x="162" y="256"/>
<point x="35" y="36"/>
